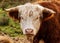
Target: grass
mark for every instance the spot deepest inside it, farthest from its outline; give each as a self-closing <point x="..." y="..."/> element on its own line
<point x="13" y="28"/>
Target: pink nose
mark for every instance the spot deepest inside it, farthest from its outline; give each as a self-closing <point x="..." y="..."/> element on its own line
<point x="29" y="31"/>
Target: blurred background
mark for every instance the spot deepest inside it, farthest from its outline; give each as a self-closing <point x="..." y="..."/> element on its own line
<point x="7" y="25"/>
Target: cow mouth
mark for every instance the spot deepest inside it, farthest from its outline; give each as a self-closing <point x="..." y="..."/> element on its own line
<point x="30" y="37"/>
<point x="29" y="34"/>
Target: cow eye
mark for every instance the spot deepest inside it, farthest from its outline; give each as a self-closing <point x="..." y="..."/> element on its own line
<point x="35" y="18"/>
<point x="22" y="18"/>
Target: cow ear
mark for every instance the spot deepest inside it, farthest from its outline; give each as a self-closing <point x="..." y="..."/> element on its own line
<point x="13" y="12"/>
<point x="48" y="14"/>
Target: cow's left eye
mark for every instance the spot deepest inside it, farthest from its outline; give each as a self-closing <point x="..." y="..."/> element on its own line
<point x="35" y="18"/>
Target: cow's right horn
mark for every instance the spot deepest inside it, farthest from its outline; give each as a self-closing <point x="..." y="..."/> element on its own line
<point x="11" y="9"/>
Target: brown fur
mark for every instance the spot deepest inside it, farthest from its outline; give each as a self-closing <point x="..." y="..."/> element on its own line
<point x="50" y="29"/>
<point x="14" y="14"/>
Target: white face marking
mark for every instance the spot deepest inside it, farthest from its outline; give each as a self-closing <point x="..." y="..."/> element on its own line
<point x="30" y="17"/>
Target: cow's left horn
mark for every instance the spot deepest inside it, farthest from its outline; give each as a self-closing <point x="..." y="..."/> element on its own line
<point x="51" y="11"/>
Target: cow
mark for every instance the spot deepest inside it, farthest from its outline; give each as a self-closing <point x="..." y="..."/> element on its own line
<point x="38" y="20"/>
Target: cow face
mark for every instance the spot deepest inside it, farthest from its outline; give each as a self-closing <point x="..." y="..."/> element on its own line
<point x="30" y="17"/>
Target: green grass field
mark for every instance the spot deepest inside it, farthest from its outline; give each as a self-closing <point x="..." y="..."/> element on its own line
<point x="8" y="26"/>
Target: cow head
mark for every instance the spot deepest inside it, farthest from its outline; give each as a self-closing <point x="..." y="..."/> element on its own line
<point x="30" y="16"/>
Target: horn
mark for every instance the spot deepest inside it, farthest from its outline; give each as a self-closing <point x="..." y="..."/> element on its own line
<point x="13" y="8"/>
<point x="51" y="11"/>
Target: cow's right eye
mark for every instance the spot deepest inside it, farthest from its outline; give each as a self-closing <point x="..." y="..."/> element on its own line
<point x="22" y="18"/>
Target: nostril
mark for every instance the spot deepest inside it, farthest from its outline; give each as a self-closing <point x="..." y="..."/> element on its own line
<point x="29" y="31"/>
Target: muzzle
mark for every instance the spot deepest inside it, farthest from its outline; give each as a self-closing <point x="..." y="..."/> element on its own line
<point x="29" y="31"/>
